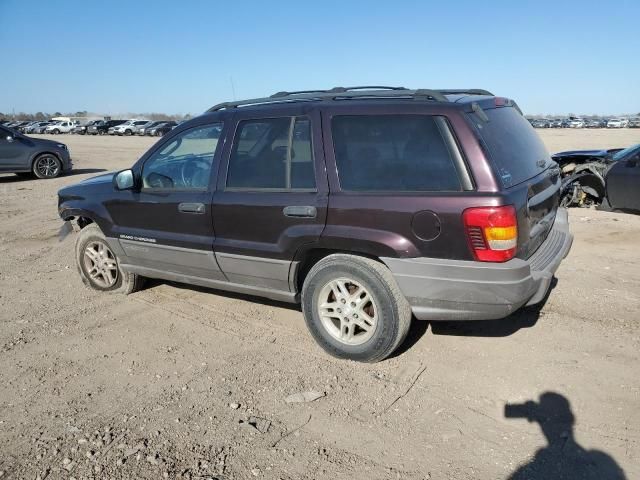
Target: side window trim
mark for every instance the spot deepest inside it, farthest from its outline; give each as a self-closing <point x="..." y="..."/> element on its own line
<point x="456" y="154"/>
<point x="288" y="189"/>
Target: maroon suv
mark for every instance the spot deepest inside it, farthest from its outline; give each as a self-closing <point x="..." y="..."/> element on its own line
<point x="368" y="205"/>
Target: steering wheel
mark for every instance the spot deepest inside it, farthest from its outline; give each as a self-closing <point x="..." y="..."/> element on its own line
<point x="191" y="167"/>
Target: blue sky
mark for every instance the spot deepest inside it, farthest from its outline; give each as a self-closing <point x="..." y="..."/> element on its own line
<point x="181" y="56"/>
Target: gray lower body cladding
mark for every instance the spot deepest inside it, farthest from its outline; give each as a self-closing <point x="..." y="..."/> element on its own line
<point x="465" y="290"/>
<point x="236" y="273"/>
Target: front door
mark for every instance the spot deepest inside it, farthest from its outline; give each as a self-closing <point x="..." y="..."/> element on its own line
<point x="13" y="152"/>
<point x="271" y="198"/>
<point x="165" y="226"/>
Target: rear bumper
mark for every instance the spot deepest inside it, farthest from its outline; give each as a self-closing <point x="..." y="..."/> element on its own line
<point x="440" y="289"/>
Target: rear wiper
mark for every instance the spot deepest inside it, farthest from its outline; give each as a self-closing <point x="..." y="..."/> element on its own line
<point x="477" y="109"/>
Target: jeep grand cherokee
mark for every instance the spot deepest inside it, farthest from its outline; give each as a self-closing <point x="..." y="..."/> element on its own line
<point x="369" y="205"/>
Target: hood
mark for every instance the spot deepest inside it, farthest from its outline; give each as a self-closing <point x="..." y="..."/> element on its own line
<point x="46" y="143"/>
<point x="581" y="153"/>
<point x="103" y="178"/>
<point x="88" y="188"/>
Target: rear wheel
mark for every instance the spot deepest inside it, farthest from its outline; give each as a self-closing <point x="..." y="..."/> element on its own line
<point x="98" y="265"/>
<point x="354" y="309"/>
<point x="47" y="165"/>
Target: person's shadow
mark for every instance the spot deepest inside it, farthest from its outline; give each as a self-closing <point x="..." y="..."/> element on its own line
<point x="563" y="457"/>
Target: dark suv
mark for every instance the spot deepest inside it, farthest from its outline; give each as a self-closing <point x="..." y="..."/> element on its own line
<point x="28" y="156"/>
<point x="368" y="205"/>
<point x="101" y="127"/>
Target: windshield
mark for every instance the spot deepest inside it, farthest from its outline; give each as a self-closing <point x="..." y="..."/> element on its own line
<point x="627" y="151"/>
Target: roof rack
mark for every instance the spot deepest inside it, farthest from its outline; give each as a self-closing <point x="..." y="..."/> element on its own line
<point x="467" y="91"/>
<point x="347" y="93"/>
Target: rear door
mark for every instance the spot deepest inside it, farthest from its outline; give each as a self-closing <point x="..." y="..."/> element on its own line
<point x="530" y="179"/>
<point x="271" y="197"/>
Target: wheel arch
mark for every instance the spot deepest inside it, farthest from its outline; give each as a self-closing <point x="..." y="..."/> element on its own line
<point x="306" y="258"/>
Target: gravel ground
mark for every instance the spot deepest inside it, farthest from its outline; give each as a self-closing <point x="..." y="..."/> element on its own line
<point x="182" y="382"/>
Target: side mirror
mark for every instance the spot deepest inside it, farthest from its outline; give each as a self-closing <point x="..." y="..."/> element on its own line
<point x="124" y="180"/>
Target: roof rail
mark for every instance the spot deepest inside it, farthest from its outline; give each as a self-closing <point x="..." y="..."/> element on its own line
<point x="348" y="93"/>
<point x="336" y="90"/>
<point x="467" y="91"/>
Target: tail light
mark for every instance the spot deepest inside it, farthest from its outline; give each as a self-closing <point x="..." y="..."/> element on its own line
<point x="492" y="232"/>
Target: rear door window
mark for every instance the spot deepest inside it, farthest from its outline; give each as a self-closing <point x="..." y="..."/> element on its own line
<point x="513" y="145"/>
<point x="272" y="153"/>
<point x="393" y="153"/>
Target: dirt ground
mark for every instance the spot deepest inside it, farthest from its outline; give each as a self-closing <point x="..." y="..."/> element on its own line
<point x="164" y="383"/>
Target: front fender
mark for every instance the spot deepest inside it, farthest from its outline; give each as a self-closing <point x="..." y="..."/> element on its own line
<point x="69" y="209"/>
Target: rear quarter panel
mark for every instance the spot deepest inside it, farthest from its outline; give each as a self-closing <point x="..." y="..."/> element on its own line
<point x="383" y="224"/>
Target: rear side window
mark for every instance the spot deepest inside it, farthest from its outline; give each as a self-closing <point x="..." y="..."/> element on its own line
<point x="272" y="153"/>
<point x="514" y="146"/>
<point x="393" y="153"/>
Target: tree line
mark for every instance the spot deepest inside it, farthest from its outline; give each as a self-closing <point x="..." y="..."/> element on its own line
<point x="42" y="116"/>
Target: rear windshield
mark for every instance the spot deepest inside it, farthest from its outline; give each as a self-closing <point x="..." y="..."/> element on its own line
<point x="513" y="145"/>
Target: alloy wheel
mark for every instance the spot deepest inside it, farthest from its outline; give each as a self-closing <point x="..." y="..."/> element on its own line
<point x="348" y="311"/>
<point x="100" y="264"/>
<point x="48" y="166"/>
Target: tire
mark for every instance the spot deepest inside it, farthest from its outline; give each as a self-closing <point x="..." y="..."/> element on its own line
<point x="101" y="132"/>
<point x="127" y="133"/>
<point x="46" y="166"/>
<point x="110" y="278"/>
<point x="55" y="131"/>
<point x="388" y="312"/>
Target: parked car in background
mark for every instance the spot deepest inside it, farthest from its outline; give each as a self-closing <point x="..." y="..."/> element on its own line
<point x="160" y="130"/>
<point x="595" y="123"/>
<point x="634" y="122"/>
<point x="388" y="221"/>
<point x="59" y="127"/>
<point x="41" y="128"/>
<point x="623" y="180"/>
<point x="82" y="129"/>
<point x="37" y="127"/>
<point x="25" y="155"/>
<point x="576" y="123"/>
<point x="23" y="127"/>
<point x="17" y="126"/>
<point x="101" y="127"/>
<point x="540" y="123"/>
<point x="555" y="123"/>
<point x="142" y="130"/>
<point x="129" y="127"/>
<point x="617" y="123"/>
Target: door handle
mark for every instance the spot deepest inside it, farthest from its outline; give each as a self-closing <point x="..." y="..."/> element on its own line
<point x="300" y="211"/>
<point x="191" y="208"/>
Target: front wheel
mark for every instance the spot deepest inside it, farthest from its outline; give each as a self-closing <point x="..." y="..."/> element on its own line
<point x="354" y="308"/>
<point x="47" y="165"/>
<point x="98" y="265"/>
